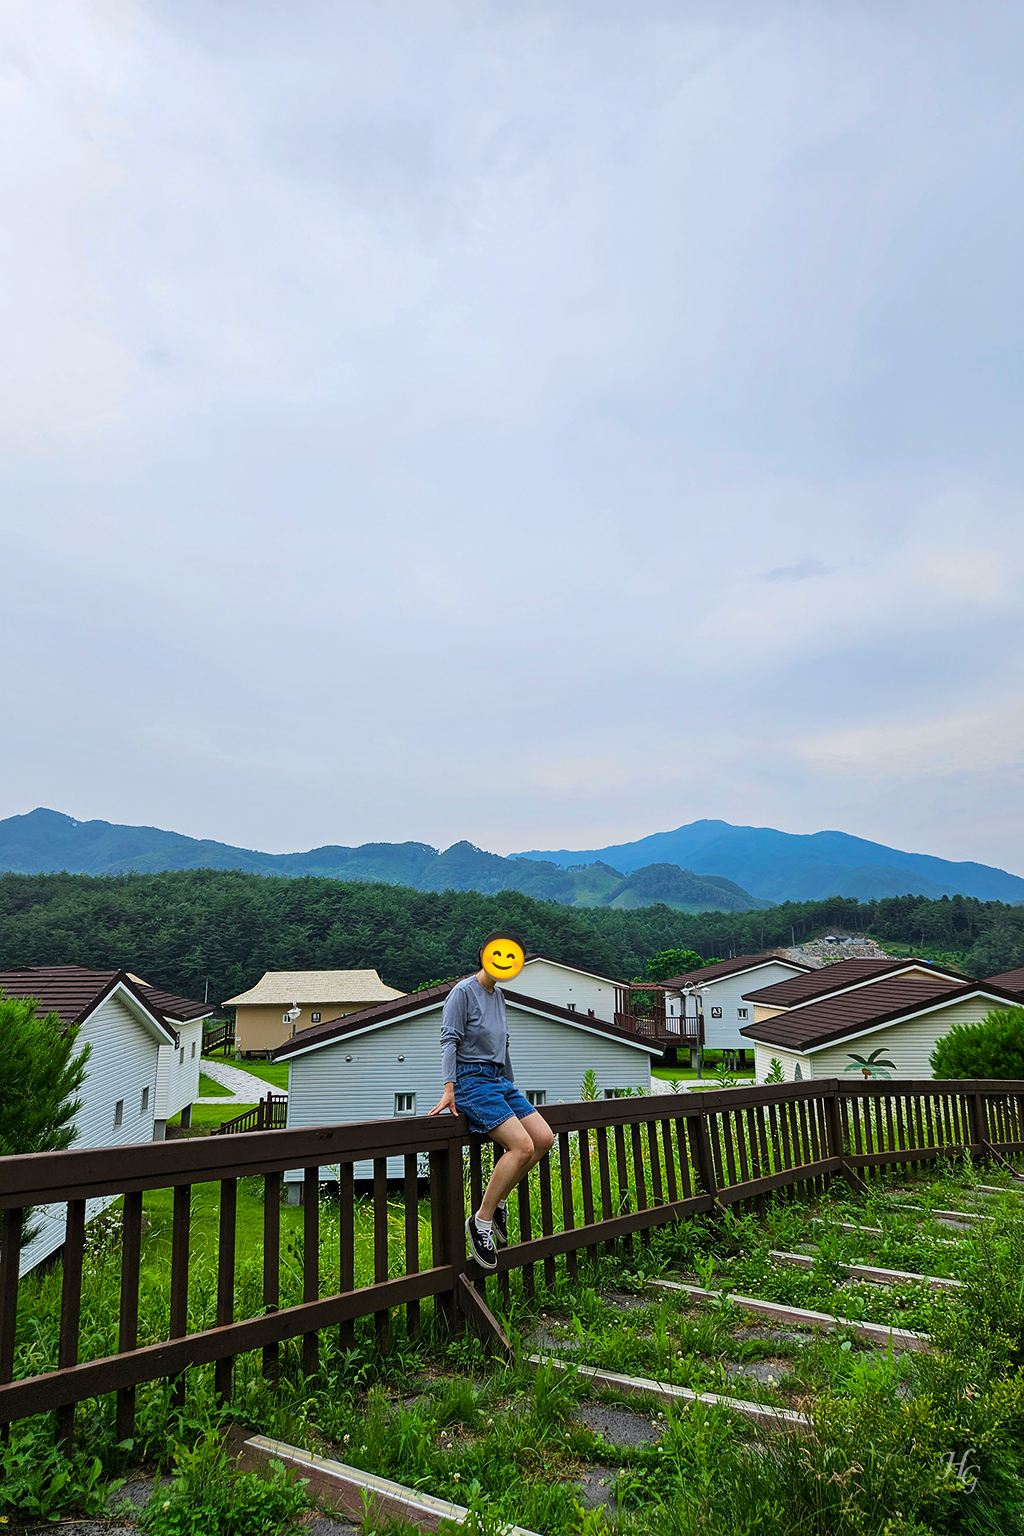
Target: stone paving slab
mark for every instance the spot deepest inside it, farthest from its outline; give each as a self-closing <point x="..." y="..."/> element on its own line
<point x="597" y="1488"/>
<point x="617" y="1425"/>
<point x="244" y="1085"/>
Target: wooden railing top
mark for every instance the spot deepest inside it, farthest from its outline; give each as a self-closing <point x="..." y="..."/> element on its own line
<point x="39" y="1178"/>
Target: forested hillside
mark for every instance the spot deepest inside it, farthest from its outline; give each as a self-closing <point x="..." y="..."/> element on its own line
<point x="182" y="928"/>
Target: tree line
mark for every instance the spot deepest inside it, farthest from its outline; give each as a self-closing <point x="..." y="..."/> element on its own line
<point x="217" y="931"/>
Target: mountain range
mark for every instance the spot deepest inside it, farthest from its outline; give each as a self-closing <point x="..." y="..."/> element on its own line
<point x="787" y="866"/>
<point x="705" y="866"/>
<point x="44" y="842"/>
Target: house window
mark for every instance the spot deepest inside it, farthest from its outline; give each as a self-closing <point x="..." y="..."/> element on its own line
<point x="118" y="1113"/>
<point x="614" y="1093"/>
<point x="193" y="1050"/>
<point x="181" y="1057"/>
<point x="315" y="1017"/>
<point x="405" y="1103"/>
<point x="145" y="1100"/>
<point x="536" y="1095"/>
<point x="285" y="1019"/>
<point x="741" y="1013"/>
<point x="571" y="1007"/>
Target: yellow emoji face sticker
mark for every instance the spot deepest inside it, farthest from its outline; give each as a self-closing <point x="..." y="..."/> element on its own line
<point x="501" y="956"/>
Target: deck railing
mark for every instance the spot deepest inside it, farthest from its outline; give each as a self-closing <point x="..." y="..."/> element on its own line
<point x="222" y="1038"/>
<point x="618" y="1169"/>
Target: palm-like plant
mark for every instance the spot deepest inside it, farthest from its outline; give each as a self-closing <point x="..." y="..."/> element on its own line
<point x="870" y="1066"/>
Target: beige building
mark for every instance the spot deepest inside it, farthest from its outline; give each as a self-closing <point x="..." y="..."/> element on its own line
<point x="883" y="1029"/>
<point x="265" y="1016"/>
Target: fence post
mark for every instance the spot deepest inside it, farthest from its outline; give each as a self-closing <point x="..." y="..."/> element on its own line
<point x="976" y="1120"/>
<point x="700" y="1143"/>
<point x="834" y="1139"/>
<point x="447" y="1218"/>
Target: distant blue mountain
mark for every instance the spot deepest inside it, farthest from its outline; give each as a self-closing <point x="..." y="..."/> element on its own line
<point x="786" y="866"/>
<point x="46" y="842"/>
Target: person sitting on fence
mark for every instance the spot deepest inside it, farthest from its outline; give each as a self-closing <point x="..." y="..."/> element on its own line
<point x="478" y="1082"/>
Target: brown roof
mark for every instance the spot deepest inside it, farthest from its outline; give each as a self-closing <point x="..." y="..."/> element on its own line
<point x="847" y="1013"/>
<point x="833" y="978"/>
<point x="731" y="968"/>
<point x="181" y="1009"/>
<point x="73" y="991"/>
<point x="1010" y="981"/>
<point x="413" y="1002"/>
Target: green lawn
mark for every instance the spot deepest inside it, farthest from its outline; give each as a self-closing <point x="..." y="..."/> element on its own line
<point x="213" y="1114"/>
<point x="209" y="1088"/>
<point x="273" y="1072"/>
<point x="681" y="1074"/>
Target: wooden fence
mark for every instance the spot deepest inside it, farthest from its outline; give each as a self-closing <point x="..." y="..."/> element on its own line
<point x="270" y="1114"/>
<point x="220" y="1038"/>
<point x="618" y="1168"/>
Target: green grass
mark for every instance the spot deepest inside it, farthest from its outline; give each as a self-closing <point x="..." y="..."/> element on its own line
<point x="210" y="1088"/>
<point x="440" y="1416"/>
<point x="684" y="1074"/>
<point x="213" y="1114"/>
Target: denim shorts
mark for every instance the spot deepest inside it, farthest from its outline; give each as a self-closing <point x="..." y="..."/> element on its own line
<point x="486" y="1097"/>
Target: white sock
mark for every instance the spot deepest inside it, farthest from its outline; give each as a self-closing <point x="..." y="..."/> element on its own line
<point x="503" y="1204"/>
<point x="485" y="1226"/>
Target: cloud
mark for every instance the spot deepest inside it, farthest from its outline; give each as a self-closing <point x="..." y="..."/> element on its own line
<point x="429" y="423"/>
<point x="804" y="570"/>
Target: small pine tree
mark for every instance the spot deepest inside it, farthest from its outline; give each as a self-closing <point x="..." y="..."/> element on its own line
<point x="993" y="1048"/>
<point x="42" y="1077"/>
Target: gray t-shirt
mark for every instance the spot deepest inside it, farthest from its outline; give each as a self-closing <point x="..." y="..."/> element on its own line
<point x="473" y="1028"/>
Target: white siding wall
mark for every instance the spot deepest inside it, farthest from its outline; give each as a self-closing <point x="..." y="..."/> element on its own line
<point x="727" y="994"/>
<point x="763" y="1063"/>
<point x="564" y="986"/>
<point x="178" y="1078"/>
<point x="123" y="1063"/>
<point x="325" y="1088"/>
<point x="907" y="1045"/>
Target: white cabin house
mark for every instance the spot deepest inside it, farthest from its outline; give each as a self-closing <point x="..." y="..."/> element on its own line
<point x="136" y="1069"/>
<point x="386" y="1061"/>
<point x="718" y="991"/>
<point x="569" y="986"/>
<point x="887" y="1028"/>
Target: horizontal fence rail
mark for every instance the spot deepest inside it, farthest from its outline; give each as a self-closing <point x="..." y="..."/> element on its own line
<point x="618" y="1168"/>
<point x="270" y="1114"/>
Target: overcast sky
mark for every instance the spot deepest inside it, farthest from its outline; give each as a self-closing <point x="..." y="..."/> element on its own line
<point x="538" y="421"/>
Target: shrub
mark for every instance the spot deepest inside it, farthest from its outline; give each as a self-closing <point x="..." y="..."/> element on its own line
<point x="42" y="1076"/>
<point x="993" y="1048"/>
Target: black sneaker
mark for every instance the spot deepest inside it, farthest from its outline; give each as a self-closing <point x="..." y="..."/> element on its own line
<point x="481" y="1245"/>
<point x="500" y="1225"/>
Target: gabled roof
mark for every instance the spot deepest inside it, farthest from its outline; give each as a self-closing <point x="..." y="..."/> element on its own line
<point x="182" y="1010"/>
<point x="861" y="1010"/>
<point x="282" y="988"/>
<point x="736" y="967"/>
<point x="835" y="978"/>
<point x="433" y="997"/>
<point x="1010" y="981"/>
<point x="567" y="965"/>
<point x="73" y="992"/>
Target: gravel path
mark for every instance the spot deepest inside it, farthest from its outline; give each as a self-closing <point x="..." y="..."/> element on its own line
<point x="245" y="1085"/>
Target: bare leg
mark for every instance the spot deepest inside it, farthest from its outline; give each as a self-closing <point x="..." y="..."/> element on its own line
<point x="525" y="1143"/>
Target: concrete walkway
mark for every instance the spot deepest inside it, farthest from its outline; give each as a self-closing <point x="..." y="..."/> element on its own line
<point x="244" y="1085"/>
